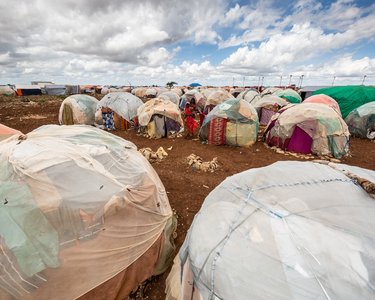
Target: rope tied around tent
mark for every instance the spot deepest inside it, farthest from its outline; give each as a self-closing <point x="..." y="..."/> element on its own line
<point x="364" y="183"/>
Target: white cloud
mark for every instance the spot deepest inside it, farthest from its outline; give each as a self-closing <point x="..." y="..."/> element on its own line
<point x="301" y="43"/>
<point x="114" y="41"/>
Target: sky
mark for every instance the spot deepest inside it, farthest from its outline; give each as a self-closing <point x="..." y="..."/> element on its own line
<point x="213" y="42"/>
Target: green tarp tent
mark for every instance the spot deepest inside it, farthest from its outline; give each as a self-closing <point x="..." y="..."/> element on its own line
<point x="349" y="97"/>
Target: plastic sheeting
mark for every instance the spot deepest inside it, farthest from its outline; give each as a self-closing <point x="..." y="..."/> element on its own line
<point x="122" y="103"/>
<point x="288" y="94"/>
<point x="327" y="129"/>
<point x="291" y="230"/>
<point x="79" y="206"/>
<point x="349" y="97"/>
<point x="78" y="109"/>
<point x="361" y="121"/>
<point x="242" y="125"/>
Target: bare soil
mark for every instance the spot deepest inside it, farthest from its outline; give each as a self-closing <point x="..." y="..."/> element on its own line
<point x="186" y="188"/>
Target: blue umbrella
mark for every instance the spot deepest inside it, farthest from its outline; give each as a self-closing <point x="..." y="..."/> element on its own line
<point x="195" y="84"/>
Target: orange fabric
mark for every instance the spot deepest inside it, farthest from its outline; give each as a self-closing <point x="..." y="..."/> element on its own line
<point x="120" y="122"/>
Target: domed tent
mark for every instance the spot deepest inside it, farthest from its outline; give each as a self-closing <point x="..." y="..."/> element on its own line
<point x="290" y="95"/>
<point x="309" y="128"/>
<point x="216" y="97"/>
<point x="324" y="99"/>
<point x="171" y="96"/>
<point x="139" y="92"/>
<point x="160" y="118"/>
<point x="249" y="95"/>
<point x="361" y="121"/>
<point x="270" y="91"/>
<point x="291" y="230"/>
<point x="85" y="215"/>
<point x="6" y="132"/>
<point x="199" y="99"/>
<point x="124" y="105"/>
<point x="233" y="122"/>
<point x="267" y="106"/>
<point x="78" y="109"/>
<point x="151" y="92"/>
<point x="349" y="97"/>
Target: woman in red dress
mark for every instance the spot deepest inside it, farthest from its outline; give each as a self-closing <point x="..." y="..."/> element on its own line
<point x="191" y="123"/>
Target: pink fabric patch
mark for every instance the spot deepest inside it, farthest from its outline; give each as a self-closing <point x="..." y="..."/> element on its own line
<point x="300" y="141"/>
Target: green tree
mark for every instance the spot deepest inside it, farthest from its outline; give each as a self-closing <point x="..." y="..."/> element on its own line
<point x="170" y="84"/>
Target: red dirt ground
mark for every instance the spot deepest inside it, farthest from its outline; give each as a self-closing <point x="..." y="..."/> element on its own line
<point x="186" y="188"/>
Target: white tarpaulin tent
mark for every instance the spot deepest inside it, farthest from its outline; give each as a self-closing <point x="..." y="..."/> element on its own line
<point x="123" y="103"/>
<point x="291" y="230"/>
<point x="80" y="207"/>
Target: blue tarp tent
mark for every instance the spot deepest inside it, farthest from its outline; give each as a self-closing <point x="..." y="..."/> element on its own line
<point x="195" y="84"/>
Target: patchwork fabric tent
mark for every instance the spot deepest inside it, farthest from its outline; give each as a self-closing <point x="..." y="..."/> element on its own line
<point x="324" y="99"/>
<point x="270" y="90"/>
<point x="349" y="97"/>
<point x="252" y="96"/>
<point x="84" y="215"/>
<point x="267" y="106"/>
<point x="309" y="128"/>
<point x="233" y="122"/>
<point x="288" y="231"/>
<point x="361" y="121"/>
<point x="171" y="96"/>
<point x="124" y="105"/>
<point x="151" y="92"/>
<point x="177" y="90"/>
<point x="6" y="132"/>
<point x="160" y="118"/>
<point x="288" y="94"/>
<point x="200" y="99"/>
<point x="217" y="97"/>
<point x="139" y="92"/>
<point x="78" y="109"/>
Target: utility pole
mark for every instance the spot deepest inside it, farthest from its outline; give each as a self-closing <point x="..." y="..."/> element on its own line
<point x="258" y="82"/>
<point x="262" y="81"/>
<point x="301" y="80"/>
<point x="364" y="77"/>
<point x="243" y="81"/>
<point x="290" y="79"/>
<point x="281" y="78"/>
<point x="333" y="81"/>
<point x="233" y="82"/>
